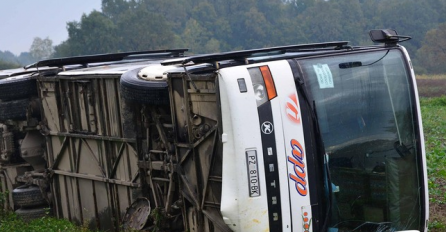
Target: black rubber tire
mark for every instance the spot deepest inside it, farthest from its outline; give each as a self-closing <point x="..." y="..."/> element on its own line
<point x="27" y="196"/>
<point x="18" y="87"/>
<point x="15" y="109"/>
<point x="135" y="89"/>
<point x="31" y="214"/>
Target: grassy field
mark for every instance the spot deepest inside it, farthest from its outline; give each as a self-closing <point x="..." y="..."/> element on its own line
<point x="10" y="223"/>
<point x="433" y="107"/>
<point x="434" y="120"/>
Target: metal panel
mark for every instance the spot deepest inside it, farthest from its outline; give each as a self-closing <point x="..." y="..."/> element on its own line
<point x="87" y="200"/>
<point x="86" y="163"/>
<point x="49" y="105"/>
<point x="82" y="105"/>
<point x="196" y="117"/>
<point x="102" y="193"/>
<point x="94" y="170"/>
<point x="113" y="110"/>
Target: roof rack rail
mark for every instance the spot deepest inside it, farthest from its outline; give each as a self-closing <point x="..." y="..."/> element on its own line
<point x="208" y="58"/>
<point x="84" y="60"/>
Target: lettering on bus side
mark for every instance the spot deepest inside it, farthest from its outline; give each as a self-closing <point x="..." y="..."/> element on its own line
<point x="299" y="176"/>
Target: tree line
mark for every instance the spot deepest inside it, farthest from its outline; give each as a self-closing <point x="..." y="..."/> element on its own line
<point x="8" y="60"/>
<point x="39" y="50"/>
<point x="206" y="26"/>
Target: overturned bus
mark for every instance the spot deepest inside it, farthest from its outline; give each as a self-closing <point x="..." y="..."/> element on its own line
<point x="312" y="137"/>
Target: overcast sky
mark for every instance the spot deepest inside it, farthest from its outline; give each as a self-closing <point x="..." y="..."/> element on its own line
<point x="22" y="20"/>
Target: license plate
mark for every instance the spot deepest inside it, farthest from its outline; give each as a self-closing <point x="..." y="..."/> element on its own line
<point x="253" y="174"/>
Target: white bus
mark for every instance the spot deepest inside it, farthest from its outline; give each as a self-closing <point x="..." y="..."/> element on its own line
<point x="314" y="137"/>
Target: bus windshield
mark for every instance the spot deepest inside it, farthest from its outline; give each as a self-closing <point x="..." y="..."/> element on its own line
<point x="369" y="127"/>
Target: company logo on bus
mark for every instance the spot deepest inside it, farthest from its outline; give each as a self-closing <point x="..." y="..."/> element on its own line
<point x="291" y="109"/>
<point x="267" y="127"/>
<point x="299" y="175"/>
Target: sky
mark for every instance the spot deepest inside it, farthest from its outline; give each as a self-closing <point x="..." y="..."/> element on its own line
<point x="23" y="20"/>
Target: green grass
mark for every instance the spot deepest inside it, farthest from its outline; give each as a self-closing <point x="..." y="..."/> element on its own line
<point x="434" y="124"/>
<point x="10" y="222"/>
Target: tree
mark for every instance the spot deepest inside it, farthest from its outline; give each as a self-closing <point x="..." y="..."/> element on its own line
<point x="26" y="58"/>
<point x="410" y="17"/>
<point x="41" y="48"/>
<point x="8" y="56"/>
<point x="138" y="29"/>
<point x="9" y="60"/>
<point x="216" y="26"/>
<point x="8" y="65"/>
<point x="432" y="54"/>
<point x="221" y="25"/>
<point x="322" y="22"/>
<point x="176" y="12"/>
<point x="94" y="34"/>
<point x="113" y="9"/>
<point x="299" y="6"/>
<point x="256" y="29"/>
<point x="195" y="36"/>
<point x="353" y="28"/>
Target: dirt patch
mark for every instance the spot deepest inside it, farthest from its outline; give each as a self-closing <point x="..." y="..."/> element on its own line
<point x="431" y="87"/>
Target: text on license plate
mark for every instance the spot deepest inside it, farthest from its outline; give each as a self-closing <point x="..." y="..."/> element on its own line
<point x="253" y="173"/>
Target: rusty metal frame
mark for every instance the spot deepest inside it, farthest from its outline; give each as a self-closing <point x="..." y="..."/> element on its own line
<point x="115" y="151"/>
<point x="188" y="151"/>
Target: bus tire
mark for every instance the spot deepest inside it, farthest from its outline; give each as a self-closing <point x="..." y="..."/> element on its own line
<point x="18" y="87"/>
<point x="31" y="214"/>
<point x="135" y="89"/>
<point x="15" y="109"/>
<point x="28" y="196"/>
